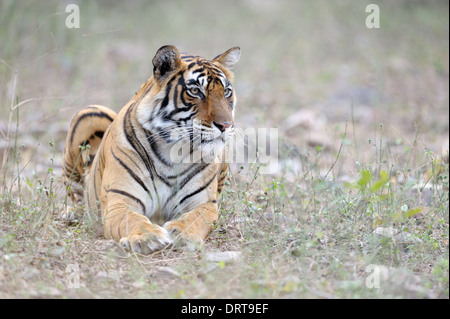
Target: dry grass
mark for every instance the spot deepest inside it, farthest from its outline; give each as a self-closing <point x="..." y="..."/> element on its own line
<point x="363" y="122"/>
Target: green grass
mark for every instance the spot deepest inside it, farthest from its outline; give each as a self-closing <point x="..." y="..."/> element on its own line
<point x="374" y="152"/>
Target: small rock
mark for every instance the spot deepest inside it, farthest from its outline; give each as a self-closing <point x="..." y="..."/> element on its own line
<point x="396" y="235"/>
<point x="223" y="256"/>
<point x="208" y="267"/>
<point x="113" y="249"/>
<point x="57" y="251"/>
<point x="422" y="196"/>
<point x="167" y="272"/>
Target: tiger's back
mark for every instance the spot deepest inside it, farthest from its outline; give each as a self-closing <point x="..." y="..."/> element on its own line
<point x="146" y="193"/>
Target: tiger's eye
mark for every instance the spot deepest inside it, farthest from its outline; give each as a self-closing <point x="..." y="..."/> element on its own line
<point x="227" y="92"/>
<point x="194" y="91"/>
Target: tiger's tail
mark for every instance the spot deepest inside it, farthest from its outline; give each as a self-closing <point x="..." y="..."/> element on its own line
<point x="82" y="143"/>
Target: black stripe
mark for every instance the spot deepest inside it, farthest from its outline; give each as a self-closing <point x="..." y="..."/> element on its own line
<point x="133" y="174"/>
<point x="165" y="101"/>
<point x="71" y="175"/>
<point x="188" y="56"/>
<point x="198" y="70"/>
<point x="68" y="167"/>
<point x="91" y="160"/>
<point x="179" y="110"/>
<point x="192" y="81"/>
<point x="186" y="179"/>
<point x="198" y="190"/>
<point x="175" y="96"/>
<point x="222" y="179"/>
<point x="192" y="175"/>
<point x="223" y="176"/>
<point x="138" y="147"/>
<point x="121" y="192"/>
<point x="131" y="159"/>
<point x="99" y="134"/>
<point x="91" y="114"/>
<point x="146" y="92"/>
<point x="189" y="117"/>
<point x="216" y="70"/>
<point x="134" y="142"/>
<point x="155" y="150"/>
<point x="182" y="173"/>
<point x="188" y="107"/>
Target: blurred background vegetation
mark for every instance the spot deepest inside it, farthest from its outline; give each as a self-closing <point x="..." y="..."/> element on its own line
<point x="345" y="98"/>
<point x="304" y="64"/>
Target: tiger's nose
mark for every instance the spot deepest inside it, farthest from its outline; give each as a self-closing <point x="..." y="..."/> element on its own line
<point x="222" y="126"/>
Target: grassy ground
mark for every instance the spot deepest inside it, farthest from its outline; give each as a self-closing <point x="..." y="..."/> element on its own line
<point x="363" y="125"/>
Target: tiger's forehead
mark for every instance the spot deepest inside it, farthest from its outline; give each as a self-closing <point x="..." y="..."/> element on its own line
<point x="202" y="71"/>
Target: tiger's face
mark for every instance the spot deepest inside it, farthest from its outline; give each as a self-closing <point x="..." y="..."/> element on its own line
<point x="194" y="107"/>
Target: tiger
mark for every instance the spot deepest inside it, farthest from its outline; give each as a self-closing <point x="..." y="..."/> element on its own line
<point x="152" y="173"/>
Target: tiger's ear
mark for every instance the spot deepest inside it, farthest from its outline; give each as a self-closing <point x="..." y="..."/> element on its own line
<point x="166" y="61"/>
<point x="229" y="58"/>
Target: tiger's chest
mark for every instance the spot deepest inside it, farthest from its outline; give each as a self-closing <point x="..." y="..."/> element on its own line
<point x="180" y="190"/>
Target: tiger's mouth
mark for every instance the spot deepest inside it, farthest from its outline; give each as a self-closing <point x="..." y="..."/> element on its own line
<point x="205" y="135"/>
<point x="199" y="143"/>
<point x="198" y="135"/>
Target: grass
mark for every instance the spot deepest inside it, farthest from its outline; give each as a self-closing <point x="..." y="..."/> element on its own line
<point x="366" y="147"/>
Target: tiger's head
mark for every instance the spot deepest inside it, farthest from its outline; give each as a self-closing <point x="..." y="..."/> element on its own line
<point x="193" y="100"/>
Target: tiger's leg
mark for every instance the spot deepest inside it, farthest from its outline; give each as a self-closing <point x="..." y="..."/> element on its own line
<point x="194" y="226"/>
<point x="131" y="229"/>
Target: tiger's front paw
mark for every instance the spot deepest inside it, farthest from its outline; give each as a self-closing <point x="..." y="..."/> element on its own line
<point x="182" y="235"/>
<point x="146" y="238"/>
